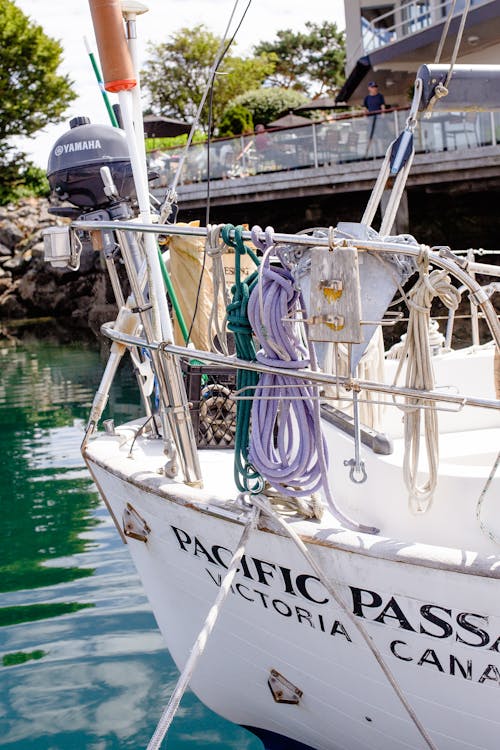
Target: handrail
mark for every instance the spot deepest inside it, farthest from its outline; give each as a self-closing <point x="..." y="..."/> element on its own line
<point x="445" y="259"/>
<point x="308" y="375"/>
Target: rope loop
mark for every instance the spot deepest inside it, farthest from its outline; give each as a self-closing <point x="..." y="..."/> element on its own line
<point x="268" y="241"/>
<point x="213" y="243"/>
<point x="331" y="238"/>
<point x="420" y="375"/>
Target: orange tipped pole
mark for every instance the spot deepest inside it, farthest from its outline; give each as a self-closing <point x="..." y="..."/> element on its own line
<point x="116" y="63"/>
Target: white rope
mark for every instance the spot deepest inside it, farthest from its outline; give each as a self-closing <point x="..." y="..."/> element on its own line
<point x="263" y="506"/>
<point x="441" y="89"/>
<point x="419" y="374"/>
<point x="201" y="641"/>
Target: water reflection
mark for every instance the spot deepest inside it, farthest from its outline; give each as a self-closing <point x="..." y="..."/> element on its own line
<point x="83" y="664"/>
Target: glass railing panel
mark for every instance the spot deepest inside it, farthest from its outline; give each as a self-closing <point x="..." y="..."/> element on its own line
<point x="454" y="131"/>
<point x="345" y="139"/>
<point x="292" y="148"/>
<point x="495" y="127"/>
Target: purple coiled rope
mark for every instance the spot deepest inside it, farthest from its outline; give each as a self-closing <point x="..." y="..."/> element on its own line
<point x="284" y="439"/>
<point x="287" y="446"/>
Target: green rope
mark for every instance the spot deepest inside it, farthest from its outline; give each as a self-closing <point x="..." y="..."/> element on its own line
<point x="246" y="477"/>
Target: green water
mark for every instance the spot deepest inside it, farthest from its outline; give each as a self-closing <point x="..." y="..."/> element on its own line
<point x="82" y="664"/>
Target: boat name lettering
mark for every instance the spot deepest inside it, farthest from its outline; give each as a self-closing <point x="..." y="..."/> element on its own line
<point x="315" y="620"/>
<point x="432" y="620"/>
<point x="488" y="674"/>
<point x="468" y="628"/>
<point x="302" y="585"/>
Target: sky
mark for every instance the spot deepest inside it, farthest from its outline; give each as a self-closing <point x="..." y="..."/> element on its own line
<point x="69" y="22"/>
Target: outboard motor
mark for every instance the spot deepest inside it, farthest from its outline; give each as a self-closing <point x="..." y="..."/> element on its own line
<point x="76" y="160"/>
<point x="89" y="167"/>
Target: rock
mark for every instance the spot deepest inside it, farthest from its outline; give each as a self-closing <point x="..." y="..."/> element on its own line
<point x="31" y="288"/>
<point x="10" y="233"/>
<point x="14" y="263"/>
<point x="12" y="308"/>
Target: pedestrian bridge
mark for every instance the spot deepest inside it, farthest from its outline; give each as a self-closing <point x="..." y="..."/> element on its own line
<point x="333" y="156"/>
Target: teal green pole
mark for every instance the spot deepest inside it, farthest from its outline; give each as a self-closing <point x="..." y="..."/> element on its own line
<point x="112" y="116"/>
<point x="173" y="298"/>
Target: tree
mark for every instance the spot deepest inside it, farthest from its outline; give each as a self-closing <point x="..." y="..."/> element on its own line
<point x="235" y="121"/>
<point x="177" y="72"/>
<point x="311" y="61"/>
<point x="32" y="94"/>
<point x="268" y="103"/>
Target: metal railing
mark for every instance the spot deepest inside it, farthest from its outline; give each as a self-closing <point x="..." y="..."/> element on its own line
<point x="405" y="19"/>
<point x="346" y="139"/>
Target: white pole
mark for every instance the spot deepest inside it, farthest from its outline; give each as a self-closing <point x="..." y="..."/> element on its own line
<point x="162" y="326"/>
<point x="130" y="10"/>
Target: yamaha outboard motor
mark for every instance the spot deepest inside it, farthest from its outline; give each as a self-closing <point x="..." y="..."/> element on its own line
<point x="89" y="167"/>
<point x="75" y="162"/>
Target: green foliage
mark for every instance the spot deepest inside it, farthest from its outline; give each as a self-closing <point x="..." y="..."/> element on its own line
<point x="266" y="104"/>
<point x="31" y="612"/>
<point x="177" y="72"/>
<point x="177" y="141"/>
<point x="21" y="657"/>
<point x="20" y="178"/>
<point x="32" y="94"/>
<point x="236" y="120"/>
<point x="311" y="61"/>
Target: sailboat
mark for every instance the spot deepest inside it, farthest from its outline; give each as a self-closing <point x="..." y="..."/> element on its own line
<point x="314" y="519"/>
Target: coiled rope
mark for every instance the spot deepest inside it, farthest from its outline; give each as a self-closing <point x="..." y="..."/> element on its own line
<point x="287" y="445"/>
<point x="283" y="440"/>
<point x="419" y="374"/>
<point x="245" y="475"/>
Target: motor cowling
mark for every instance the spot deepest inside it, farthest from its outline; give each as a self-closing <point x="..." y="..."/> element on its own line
<point x="75" y="161"/>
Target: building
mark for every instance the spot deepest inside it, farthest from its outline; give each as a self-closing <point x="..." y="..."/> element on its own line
<point x="389" y="41"/>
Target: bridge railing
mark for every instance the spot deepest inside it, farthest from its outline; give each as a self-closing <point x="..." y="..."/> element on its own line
<point x="339" y="141"/>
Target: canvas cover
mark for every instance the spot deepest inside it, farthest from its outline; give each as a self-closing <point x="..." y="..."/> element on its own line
<point x="186" y="265"/>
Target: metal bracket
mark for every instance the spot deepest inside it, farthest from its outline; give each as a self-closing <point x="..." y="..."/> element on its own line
<point x="357" y="473"/>
<point x="483" y="294"/>
<point x="492" y="288"/>
<point x="446" y="252"/>
<point x="282" y="689"/>
<point x="134" y="525"/>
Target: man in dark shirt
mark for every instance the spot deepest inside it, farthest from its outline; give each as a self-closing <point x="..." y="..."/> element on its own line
<point x="374" y="101"/>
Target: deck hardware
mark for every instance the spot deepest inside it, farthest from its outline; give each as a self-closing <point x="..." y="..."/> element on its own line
<point x="357" y="473"/>
<point x="335" y="306"/>
<point x="491" y="289"/>
<point x="446" y="252"/>
<point x="134" y="525"/>
<point x="282" y="689"/>
<point x="109" y="426"/>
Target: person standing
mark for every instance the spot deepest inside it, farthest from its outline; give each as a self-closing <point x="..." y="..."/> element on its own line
<point x="374" y="101"/>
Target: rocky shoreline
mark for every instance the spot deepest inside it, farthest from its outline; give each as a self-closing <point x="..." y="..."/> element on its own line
<point x="30" y="288"/>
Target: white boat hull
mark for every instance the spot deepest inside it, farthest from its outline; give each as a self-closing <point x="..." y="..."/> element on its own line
<point x="434" y="614"/>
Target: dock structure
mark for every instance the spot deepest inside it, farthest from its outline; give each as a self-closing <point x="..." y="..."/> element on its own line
<point x="467" y="170"/>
